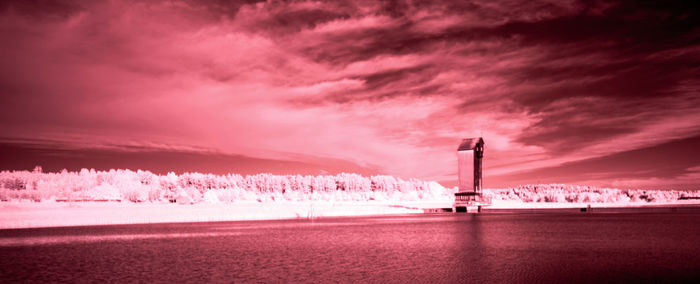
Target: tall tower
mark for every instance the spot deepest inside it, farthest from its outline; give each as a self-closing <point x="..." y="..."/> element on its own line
<point x="469" y="156"/>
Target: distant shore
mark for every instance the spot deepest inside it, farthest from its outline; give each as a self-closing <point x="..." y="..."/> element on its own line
<point x="59" y="214"/>
<point x="121" y="196"/>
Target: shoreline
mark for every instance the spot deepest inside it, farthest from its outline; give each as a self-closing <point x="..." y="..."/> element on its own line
<point x="22" y="215"/>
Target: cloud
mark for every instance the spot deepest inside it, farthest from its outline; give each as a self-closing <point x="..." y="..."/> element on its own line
<point x="663" y="165"/>
<point x="389" y="86"/>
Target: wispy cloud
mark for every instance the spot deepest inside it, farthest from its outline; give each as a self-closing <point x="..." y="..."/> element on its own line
<point x="390" y="86"/>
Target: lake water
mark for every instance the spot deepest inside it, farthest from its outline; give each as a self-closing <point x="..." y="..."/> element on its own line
<point x="531" y="247"/>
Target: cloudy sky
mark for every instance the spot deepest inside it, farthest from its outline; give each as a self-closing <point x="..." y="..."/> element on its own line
<point x="600" y="93"/>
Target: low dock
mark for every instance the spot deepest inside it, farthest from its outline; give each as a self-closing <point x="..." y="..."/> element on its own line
<point x="455" y="209"/>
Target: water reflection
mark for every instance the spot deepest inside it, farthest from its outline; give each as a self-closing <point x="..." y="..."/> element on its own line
<point x="432" y="248"/>
<point x="65" y="239"/>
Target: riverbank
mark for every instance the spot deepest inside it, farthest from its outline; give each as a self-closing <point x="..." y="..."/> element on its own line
<point x="59" y="214"/>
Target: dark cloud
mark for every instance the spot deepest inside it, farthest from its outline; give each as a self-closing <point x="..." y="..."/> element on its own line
<point x="381" y="79"/>
<point x="219" y="8"/>
<point x="42" y="9"/>
<point x="638" y="26"/>
<point x="663" y="163"/>
<point x="346" y="47"/>
<point x="285" y="22"/>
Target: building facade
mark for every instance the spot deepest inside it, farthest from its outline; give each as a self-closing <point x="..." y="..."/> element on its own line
<point x="469" y="165"/>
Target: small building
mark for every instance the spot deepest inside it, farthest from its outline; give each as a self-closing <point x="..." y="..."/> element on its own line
<point x="469" y="156"/>
<point x="469" y="173"/>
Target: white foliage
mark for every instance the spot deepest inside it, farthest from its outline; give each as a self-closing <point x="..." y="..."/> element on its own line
<point x="140" y="186"/>
<point x="211" y="197"/>
<point x="104" y="191"/>
<point x="562" y="193"/>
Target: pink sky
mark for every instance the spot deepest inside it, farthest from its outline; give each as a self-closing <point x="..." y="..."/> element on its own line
<point x="606" y="93"/>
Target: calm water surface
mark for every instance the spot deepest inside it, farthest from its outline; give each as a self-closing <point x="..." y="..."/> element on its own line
<point x="512" y="248"/>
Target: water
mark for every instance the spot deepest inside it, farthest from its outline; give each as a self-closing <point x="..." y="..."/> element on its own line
<point x="532" y="247"/>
